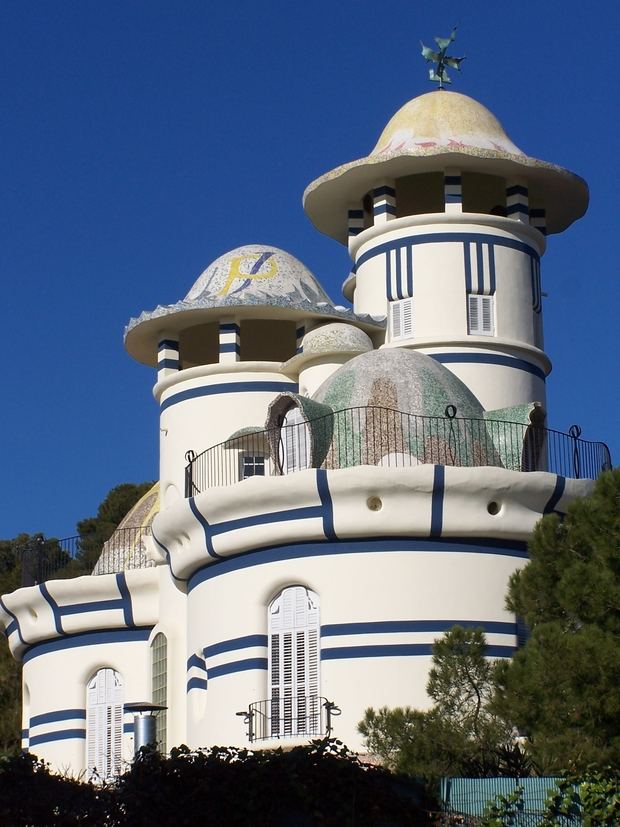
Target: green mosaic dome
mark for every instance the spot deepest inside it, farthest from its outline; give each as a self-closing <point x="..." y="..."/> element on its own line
<point x="403" y="380"/>
<point x="390" y="409"/>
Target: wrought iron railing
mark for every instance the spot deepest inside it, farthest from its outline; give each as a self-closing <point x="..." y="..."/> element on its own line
<point x="41" y="559"/>
<point x="290" y="716"/>
<point x="386" y="437"/>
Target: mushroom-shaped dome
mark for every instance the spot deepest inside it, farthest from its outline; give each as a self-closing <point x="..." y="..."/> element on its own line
<point x="257" y="274"/>
<point x="403" y="380"/>
<point x="446" y="120"/>
<point x="336" y="337"/>
<point x="244" y="279"/>
<point x="434" y="132"/>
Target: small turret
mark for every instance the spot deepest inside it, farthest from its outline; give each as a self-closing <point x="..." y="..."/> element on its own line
<point x="445" y="221"/>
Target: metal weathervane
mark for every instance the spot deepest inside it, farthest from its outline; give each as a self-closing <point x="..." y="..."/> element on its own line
<point x="439" y="74"/>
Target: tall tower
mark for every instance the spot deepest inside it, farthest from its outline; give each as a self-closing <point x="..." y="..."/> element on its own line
<point x="445" y="222"/>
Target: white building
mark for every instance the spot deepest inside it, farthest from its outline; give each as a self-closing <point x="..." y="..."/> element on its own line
<point x="338" y="486"/>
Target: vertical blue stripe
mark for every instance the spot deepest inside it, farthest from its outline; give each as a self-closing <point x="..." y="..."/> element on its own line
<point x="326" y="503"/>
<point x="479" y="267"/>
<point x="467" y="255"/>
<point x="388" y="276"/>
<point x="54" y="607"/>
<point x="555" y="498"/>
<point x="492" y="268"/>
<point x="205" y="526"/>
<point x="399" y="274"/>
<point x="409" y="271"/>
<point x="121" y="582"/>
<point x="439" y="475"/>
<point x="15" y="621"/>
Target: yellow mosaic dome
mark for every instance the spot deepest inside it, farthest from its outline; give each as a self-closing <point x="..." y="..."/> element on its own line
<point x="434" y="132"/>
<point x="443" y="120"/>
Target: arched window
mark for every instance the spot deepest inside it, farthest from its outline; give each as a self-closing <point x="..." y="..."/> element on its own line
<point x="104" y="724"/>
<point x="294" y="453"/>
<point x="159" y="684"/>
<point x="294" y="681"/>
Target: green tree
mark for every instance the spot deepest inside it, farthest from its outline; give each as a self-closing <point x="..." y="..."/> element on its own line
<point x="27" y="559"/>
<point x="563" y="687"/>
<point x="460" y="734"/>
<point x="94" y="531"/>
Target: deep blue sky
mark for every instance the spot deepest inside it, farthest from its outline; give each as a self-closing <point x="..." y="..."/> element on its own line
<point x="140" y="140"/>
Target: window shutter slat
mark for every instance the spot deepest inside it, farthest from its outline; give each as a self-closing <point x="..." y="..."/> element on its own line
<point x="480" y="311"/>
<point x="401" y="319"/>
<point x="104" y="724"/>
<point x="294" y="661"/>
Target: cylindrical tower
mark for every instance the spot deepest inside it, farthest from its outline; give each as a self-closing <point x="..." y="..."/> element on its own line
<point x="220" y="351"/>
<point x="445" y="221"/>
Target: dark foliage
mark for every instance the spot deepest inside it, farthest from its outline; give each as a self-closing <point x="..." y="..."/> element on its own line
<point x="319" y="785"/>
<point x="31" y="558"/>
<point x="563" y="687"/>
<point x="94" y="531"/>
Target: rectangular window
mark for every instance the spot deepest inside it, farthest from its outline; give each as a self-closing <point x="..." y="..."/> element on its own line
<point x="480" y="314"/>
<point x="252" y="465"/>
<point x="401" y="319"/>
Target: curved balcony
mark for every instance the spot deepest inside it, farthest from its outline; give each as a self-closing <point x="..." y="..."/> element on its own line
<point x="389" y="438"/>
<point x="290" y="716"/>
<point x="39" y="559"/>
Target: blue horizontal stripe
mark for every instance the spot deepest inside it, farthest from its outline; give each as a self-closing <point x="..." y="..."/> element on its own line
<point x="57" y="735"/>
<point x="391" y="650"/>
<point x="381" y="209"/>
<point x="229" y="327"/>
<point x="235" y="643"/>
<point x="440" y="238"/>
<point x="355" y="230"/>
<point x="197" y="661"/>
<point x="168" y="364"/>
<point x="515" y="208"/>
<point x="96" y="606"/>
<point x="25" y="733"/>
<point x="88" y="639"/>
<point x="128" y="729"/>
<point x="453" y="198"/>
<point x="230" y="347"/>
<point x="168" y="344"/>
<point x="305" y="513"/>
<point x="452" y="180"/>
<point x="273" y="554"/>
<point x="245" y="665"/>
<point x="517" y="189"/>
<point x="489" y="359"/>
<point x="356" y="213"/>
<point x="228" y="387"/>
<point x="392" y="626"/>
<point x="196" y="683"/>
<point x="59" y="715"/>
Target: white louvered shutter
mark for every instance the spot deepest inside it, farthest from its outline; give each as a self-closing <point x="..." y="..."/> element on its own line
<point x="294" y="662"/>
<point x="480" y="311"/>
<point x="295" y="442"/>
<point x="104" y="724"/>
<point x="401" y="319"/>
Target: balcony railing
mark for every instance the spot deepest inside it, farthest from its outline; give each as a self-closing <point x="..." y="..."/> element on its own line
<point x="40" y="559"/>
<point x="290" y="716"/>
<point x="390" y="438"/>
